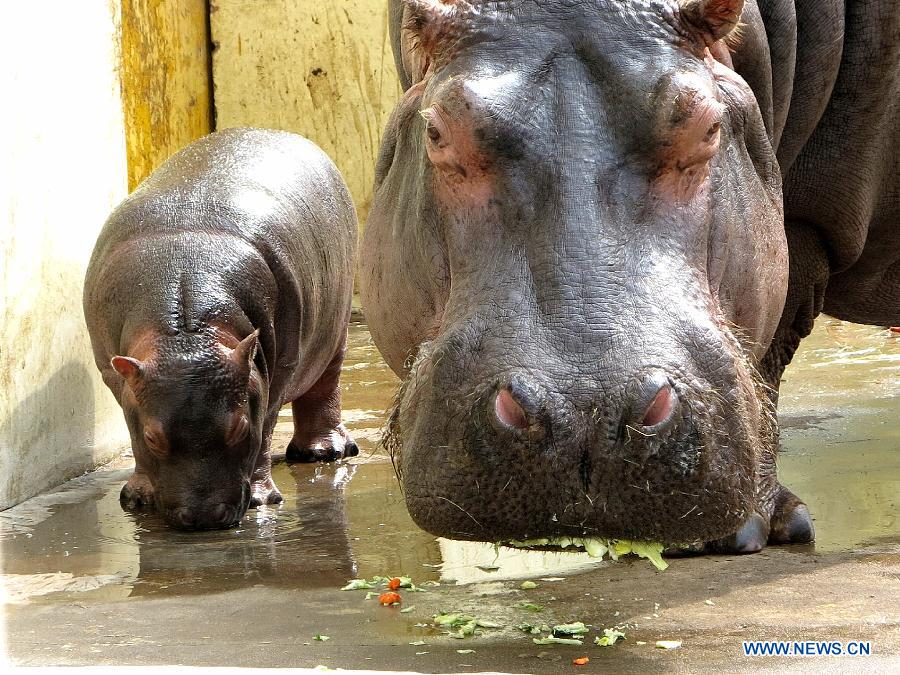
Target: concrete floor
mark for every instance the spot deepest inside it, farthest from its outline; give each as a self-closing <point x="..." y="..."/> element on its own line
<point x="87" y="584"/>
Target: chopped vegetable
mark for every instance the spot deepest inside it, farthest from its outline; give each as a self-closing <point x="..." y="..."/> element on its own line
<point x="465" y="651"/>
<point x="418" y="643"/>
<point x="577" y="628"/>
<point x="597" y="548"/>
<point x="532" y="629"/>
<point x="556" y="641"/>
<point x="407" y="610"/>
<point x="709" y="602"/>
<point x="356" y="584"/>
<point x="390" y="598"/>
<point x="668" y="644"/>
<point x="372" y="594"/>
<point x="488" y="568"/>
<point x="581" y="661"/>
<point x="530" y="606"/>
<point x="610" y="637"/>
<point x="320" y="637"/>
<point x="528" y="585"/>
<point x="394" y="583"/>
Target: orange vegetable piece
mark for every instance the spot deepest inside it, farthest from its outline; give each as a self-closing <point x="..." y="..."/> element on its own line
<point x="581" y="661"/>
<point x="389" y="598"/>
<point x="394" y="583"/>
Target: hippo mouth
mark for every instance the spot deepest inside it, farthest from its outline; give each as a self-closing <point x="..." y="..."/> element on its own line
<point x="467" y="477"/>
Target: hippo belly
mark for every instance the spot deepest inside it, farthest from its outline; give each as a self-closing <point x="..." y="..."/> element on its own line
<point x="217" y="292"/>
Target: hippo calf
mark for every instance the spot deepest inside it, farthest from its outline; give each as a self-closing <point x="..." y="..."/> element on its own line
<point x="609" y="225"/>
<point x="217" y="292"/>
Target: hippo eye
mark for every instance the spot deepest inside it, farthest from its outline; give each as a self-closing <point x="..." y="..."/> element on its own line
<point x="238" y="431"/>
<point x="713" y="131"/>
<point x="433" y="134"/>
<point x="153" y="442"/>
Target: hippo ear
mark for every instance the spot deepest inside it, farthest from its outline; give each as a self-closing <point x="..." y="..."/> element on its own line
<point x="131" y="369"/>
<point x="716" y="18"/>
<point x="242" y="355"/>
<point x="428" y="27"/>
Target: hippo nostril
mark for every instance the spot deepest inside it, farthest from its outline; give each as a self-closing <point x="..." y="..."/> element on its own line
<point x="183" y="518"/>
<point x="509" y="411"/>
<point x="660" y="409"/>
<point x="222" y="514"/>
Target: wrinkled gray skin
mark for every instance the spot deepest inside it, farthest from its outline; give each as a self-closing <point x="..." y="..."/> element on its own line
<point x="568" y="272"/>
<point x="222" y="288"/>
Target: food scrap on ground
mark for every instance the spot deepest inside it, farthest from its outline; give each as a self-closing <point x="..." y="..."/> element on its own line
<point x="530" y="606"/>
<point x="610" y="637"/>
<point x="390" y="598"/>
<point x="581" y="661"/>
<point x="597" y="548"/>
<point x="528" y="585"/>
<point x="464" y="624"/>
<point x="320" y="638"/>
<point x="668" y="644"/>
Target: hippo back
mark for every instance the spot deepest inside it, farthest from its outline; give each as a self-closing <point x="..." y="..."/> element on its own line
<point x="248" y="227"/>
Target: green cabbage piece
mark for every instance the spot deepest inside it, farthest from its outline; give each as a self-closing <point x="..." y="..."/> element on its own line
<point x="597" y="548"/>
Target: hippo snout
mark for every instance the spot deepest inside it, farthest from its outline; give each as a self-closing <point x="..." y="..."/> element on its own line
<point x="215" y="513"/>
<point x="215" y="517"/>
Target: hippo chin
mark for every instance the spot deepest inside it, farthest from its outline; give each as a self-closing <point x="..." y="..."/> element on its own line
<point x="217" y="292"/>
<point x="587" y="212"/>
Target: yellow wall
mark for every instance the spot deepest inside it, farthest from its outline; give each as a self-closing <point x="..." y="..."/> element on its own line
<point x="321" y="69"/>
<point x="165" y="80"/>
<point x="64" y="169"/>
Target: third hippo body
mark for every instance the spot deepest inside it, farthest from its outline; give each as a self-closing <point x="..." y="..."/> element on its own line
<point x="610" y="225"/>
<point x="222" y="287"/>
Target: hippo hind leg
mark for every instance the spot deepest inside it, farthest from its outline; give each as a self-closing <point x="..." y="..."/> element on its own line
<point x="319" y="435"/>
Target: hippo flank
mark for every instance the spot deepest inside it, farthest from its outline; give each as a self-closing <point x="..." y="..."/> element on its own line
<point x="610" y="224"/>
<point x="217" y="292"/>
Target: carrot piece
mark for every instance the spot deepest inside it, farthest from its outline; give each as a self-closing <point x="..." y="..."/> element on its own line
<point x="580" y="661"/>
<point x="389" y="598"/>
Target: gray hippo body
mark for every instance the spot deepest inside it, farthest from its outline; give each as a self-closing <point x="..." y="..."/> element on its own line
<point x="217" y="292"/>
<point x="610" y="225"/>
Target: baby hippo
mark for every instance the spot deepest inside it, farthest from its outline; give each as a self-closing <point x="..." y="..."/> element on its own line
<point x="217" y="292"/>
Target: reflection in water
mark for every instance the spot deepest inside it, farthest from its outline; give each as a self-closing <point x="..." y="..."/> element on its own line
<point x="345" y="520"/>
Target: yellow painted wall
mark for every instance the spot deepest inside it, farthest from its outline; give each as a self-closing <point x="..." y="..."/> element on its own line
<point x="64" y="169"/>
<point x="321" y="69"/>
<point x="165" y="80"/>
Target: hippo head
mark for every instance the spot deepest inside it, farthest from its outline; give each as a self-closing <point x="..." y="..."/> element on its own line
<point x="195" y="410"/>
<point x="591" y="203"/>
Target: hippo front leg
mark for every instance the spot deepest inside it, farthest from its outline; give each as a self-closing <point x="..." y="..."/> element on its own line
<point x="262" y="487"/>
<point x="781" y="517"/>
<point x="319" y="435"/>
<point x="137" y="493"/>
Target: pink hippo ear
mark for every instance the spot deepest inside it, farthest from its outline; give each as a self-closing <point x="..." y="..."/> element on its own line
<point x="715" y="18"/>
<point x="131" y="369"/>
<point x="430" y="29"/>
<point x="242" y="356"/>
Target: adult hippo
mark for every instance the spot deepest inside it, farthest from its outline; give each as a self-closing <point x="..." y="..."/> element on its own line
<point x="586" y="211"/>
<point x="217" y="292"/>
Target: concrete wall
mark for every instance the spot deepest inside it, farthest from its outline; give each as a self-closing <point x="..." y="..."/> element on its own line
<point x="321" y="69"/>
<point x="64" y="169"/>
<point x="96" y="94"/>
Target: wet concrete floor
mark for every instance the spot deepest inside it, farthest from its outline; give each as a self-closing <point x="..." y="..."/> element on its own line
<point x="87" y="584"/>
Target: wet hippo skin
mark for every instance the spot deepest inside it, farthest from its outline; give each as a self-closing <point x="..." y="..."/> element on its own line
<point x="217" y="292"/>
<point x="610" y="224"/>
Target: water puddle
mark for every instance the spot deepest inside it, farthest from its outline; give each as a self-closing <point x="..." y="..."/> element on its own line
<point x="76" y="545"/>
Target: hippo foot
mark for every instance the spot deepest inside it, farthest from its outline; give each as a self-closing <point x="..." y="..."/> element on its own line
<point x="263" y="492"/>
<point x="137" y="493"/>
<point x="789" y="523"/>
<point x="337" y="444"/>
